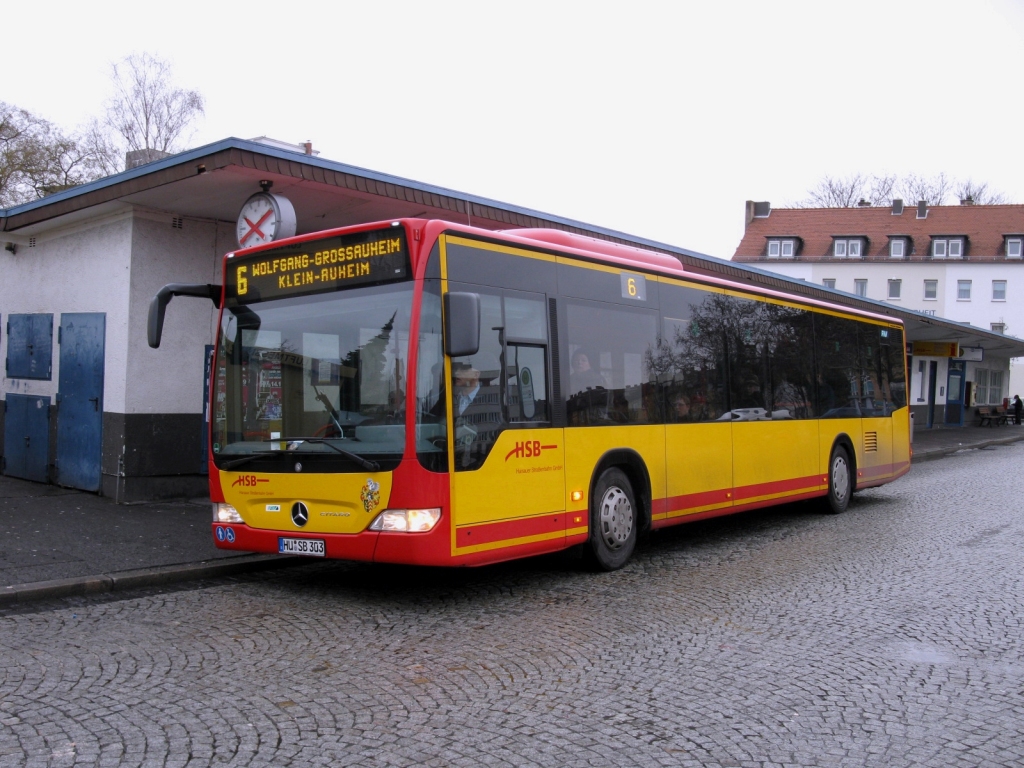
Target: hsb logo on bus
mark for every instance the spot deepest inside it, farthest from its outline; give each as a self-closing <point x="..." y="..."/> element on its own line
<point x="248" y="481"/>
<point x="528" y="449"/>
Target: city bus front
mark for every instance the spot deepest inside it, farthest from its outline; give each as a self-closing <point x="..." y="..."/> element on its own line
<point x="315" y="428"/>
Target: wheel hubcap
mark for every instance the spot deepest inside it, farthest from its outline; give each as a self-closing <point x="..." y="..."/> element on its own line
<point x="840" y="478"/>
<point x="616" y="517"/>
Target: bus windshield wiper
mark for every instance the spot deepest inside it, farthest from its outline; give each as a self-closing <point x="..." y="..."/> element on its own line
<point x="372" y="466"/>
<point x="246" y="459"/>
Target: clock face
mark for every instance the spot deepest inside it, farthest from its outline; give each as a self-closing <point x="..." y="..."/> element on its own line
<point x="258" y="220"/>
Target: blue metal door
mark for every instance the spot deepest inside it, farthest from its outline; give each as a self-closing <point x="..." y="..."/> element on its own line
<point x="27" y="437"/>
<point x="80" y="400"/>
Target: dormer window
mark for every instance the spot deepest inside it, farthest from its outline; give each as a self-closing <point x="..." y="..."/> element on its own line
<point x="897" y="247"/>
<point x="947" y="247"/>
<point x="1013" y="246"/>
<point x="847" y="247"/>
<point x="781" y="248"/>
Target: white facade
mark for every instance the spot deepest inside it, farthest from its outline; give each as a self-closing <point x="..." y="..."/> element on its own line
<point x="115" y="265"/>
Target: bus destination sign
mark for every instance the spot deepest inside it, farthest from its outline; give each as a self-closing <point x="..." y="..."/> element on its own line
<point x="317" y="266"/>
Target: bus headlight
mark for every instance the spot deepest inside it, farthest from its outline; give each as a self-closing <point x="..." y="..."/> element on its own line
<point x="225" y="513"/>
<point x="406" y="520"/>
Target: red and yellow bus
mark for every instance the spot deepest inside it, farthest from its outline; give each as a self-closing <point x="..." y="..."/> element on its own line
<point x="429" y="393"/>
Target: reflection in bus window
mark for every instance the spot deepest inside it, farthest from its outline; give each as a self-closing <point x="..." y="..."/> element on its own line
<point x="610" y="351"/>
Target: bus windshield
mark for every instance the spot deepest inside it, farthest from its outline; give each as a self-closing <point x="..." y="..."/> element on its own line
<point x="316" y="380"/>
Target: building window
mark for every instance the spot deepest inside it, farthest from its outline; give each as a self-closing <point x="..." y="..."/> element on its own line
<point x="963" y="290"/>
<point x="988" y="387"/>
<point x="948" y="248"/>
<point x="998" y="327"/>
<point x="998" y="290"/>
<point x="829" y="282"/>
<point x="847" y="248"/>
<point x="897" y="248"/>
<point x="860" y="287"/>
<point x="931" y="290"/>
<point x="894" y="289"/>
<point x="1013" y="247"/>
<point x="781" y="249"/>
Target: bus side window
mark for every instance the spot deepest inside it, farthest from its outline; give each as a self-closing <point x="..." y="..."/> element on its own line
<point x="612" y="354"/>
<point x="690" y="361"/>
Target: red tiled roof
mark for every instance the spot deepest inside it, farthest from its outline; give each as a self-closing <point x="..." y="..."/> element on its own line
<point x="984" y="226"/>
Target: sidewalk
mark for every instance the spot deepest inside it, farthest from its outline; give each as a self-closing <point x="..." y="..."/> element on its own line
<point x="56" y="542"/>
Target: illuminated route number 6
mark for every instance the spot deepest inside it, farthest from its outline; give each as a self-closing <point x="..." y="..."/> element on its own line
<point x="634" y="287"/>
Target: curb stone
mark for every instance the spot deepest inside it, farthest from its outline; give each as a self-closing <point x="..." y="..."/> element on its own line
<point x="121" y="581"/>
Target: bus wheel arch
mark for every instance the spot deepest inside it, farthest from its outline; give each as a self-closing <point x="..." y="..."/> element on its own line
<point x="620" y="481"/>
<point x="841" y="475"/>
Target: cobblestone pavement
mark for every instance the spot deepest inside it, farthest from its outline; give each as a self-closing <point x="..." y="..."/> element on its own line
<point x="890" y="635"/>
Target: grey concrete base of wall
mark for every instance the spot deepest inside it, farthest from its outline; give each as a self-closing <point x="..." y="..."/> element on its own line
<point x="125" y="490"/>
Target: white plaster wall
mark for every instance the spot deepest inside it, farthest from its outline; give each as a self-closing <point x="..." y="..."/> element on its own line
<point x="84" y="268"/>
<point x="170" y="379"/>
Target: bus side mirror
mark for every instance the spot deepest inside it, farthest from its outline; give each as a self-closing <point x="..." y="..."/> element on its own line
<point x="158" y="306"/>
<point x="461" y="324"/>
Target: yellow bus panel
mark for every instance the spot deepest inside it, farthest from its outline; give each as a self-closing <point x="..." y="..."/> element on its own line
<point x="337" y="503"/>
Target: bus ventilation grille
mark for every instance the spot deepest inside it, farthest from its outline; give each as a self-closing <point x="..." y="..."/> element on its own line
<point x="870" y="442"/>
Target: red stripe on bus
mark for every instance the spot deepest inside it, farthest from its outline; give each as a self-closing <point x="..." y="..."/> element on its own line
<point x="778" y="486"/>
<point x="692" y="500"/>
<point x="487" y="533"/>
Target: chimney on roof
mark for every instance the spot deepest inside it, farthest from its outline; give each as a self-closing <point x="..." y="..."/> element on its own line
<point x="922" y="209"/>
<point x="308" y="147"/>
<point x="897" y="207"/>
<point x="967" y="201"/>
<point x="137" y="157"/>
<point x="862" y="203"/>
<point x="757" y="211"/>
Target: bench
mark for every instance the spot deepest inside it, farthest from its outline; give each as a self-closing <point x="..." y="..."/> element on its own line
<point x="991" y="415"/>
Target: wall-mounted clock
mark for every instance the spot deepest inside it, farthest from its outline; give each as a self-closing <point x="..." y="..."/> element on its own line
<point x="265" y="217"/>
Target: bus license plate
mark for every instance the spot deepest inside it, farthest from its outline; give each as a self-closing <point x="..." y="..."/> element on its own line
<point x="308" y="547"/>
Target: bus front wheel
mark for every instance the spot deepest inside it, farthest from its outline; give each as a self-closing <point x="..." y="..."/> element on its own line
<point x="613" y="521"/>
<point x="840" y="481"/>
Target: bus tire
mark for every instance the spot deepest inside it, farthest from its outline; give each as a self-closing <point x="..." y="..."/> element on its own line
<point x="613" y="521"/>
<point x="840" y="481"/>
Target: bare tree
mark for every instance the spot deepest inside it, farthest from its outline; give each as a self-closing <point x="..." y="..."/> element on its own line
<point x="936" y="190"/>
<point x="38" y="159"/>
<point x="835" y="192"/>
<point x="147" y="111"/>
<point x="979" y="194"/>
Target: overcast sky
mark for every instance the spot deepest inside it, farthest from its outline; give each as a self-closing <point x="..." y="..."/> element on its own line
<point x="656" y="119"/>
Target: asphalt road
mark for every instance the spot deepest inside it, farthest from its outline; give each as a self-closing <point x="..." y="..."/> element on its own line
<point x="890" y="635"/>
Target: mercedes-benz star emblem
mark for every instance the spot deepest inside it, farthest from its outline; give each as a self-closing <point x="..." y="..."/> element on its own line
<point x="300" y="514"/>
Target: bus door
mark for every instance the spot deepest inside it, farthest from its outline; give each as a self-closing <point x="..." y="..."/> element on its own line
<point x="505" y="458"/>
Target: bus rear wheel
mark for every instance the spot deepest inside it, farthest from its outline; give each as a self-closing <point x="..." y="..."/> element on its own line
<point x="840" y="481"/>
<point x="613" y="521"/>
